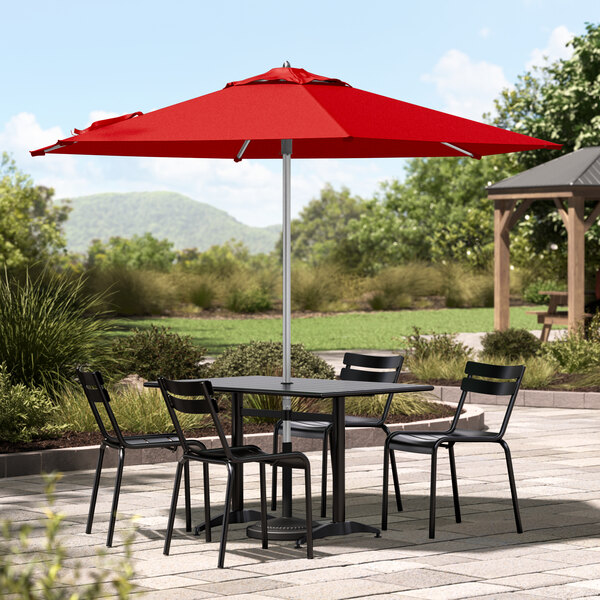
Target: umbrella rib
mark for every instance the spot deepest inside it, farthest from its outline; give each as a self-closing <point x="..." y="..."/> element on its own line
<point x="470" y="154"/>
<point x="241" y="152"/>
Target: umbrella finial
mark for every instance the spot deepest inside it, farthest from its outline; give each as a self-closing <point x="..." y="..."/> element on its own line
<point x="286" y="64"/>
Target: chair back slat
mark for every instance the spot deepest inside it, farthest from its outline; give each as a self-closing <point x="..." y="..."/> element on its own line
<point x="493" y="371"/>
<point x="366" y="361"/>
<point x="195" y="397"/>
<point x="389" y="371"/>
<point x="493" y="388"/>
<point x="500" y="387"/>
<point x="359" y="375"/>
<point x="96" y="394"/>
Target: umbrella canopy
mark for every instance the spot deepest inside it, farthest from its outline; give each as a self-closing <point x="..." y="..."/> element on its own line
<point x="325" y="117"/>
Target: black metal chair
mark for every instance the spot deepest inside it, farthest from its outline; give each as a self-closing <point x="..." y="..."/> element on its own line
<point x="385" y="369"/>
<point x="478" y="380"/>
<point x="196" y="397"/>
<point x="97" y="395"/>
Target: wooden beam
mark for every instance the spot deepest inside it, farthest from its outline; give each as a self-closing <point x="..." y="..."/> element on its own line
<point x="592" y="217"/>
<point x="550" y="195"/>
<point x="576" y="261"/>
<point x="562" y="211"/>
<point x="502" y="211"/>
<point x="519" y="212"/>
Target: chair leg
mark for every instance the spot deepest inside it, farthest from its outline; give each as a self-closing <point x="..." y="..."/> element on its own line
<point x="115" y="502"/>
<point x="324" y="477"/>
<point x="188" y="499"/>
<point x="454" y="483"/>
<point x="207" y="527"/>
<point x="386" y="480"/>
<point x="88" y="528"/>
<point x="226" y="510"/>
<point x="174" y="497"/>
<point x="263" y="506"/>
<point x="432" y="494"/>
<point x="274" y="474"/>
<point x="513" y="487"/>
<point x="309" y="520"/>
<point x="394" y="474"/>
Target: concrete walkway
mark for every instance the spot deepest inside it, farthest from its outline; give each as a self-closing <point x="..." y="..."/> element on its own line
<point x="557" y="466"/>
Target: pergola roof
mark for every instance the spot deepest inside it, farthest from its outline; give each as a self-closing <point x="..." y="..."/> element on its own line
<point x="577" y="173"/>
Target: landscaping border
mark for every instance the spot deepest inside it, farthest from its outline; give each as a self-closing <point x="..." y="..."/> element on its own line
<point x="86" y="457"/>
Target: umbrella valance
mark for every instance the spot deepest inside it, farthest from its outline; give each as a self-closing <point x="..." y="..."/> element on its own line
<point x="325" y="117"/>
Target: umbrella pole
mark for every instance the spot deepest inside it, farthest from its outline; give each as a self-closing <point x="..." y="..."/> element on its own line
<point x="286" y="153"/>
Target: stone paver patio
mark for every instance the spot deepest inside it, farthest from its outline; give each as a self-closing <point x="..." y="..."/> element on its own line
<point x="557" y="467"/>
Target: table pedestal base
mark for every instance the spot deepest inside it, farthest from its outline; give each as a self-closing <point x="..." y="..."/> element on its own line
<point x="235" y="516"/>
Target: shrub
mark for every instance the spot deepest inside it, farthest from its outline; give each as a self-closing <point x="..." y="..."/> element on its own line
<point x="157" y="351"/>
<point x="315" y="288"/>
<point x="441" y="345"/>
<point x="464" y="288"/>
<point x="531" y="292"/>
<point x="511" y="344"/>
<point x="266" y="358"/>
<point x="396" y="287"/>
<point x="251" y="300"/>
<point x="48" y="325"/>
<point x="44" y="575"/>
<point x="575" y="353"/>
<point x="202" y="295"/>
<point x="134" y="292"/>
<point x="25" y="413"/>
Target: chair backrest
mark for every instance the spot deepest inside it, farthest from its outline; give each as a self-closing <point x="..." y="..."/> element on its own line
<point x="494" y="380"/>
<point x="384" y="369"/>
<point x="96" y="394"/>
<point x="192" y="397"/>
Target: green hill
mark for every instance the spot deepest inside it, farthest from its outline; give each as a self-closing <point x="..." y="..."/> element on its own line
<point x="178" y="218"/>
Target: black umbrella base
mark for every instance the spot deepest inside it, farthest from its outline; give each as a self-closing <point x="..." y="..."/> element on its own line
<point x="280" y="529"/>
<point x="291" y="528"/>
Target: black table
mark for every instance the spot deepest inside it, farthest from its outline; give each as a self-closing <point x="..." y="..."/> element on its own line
<point x="338" y="390"/>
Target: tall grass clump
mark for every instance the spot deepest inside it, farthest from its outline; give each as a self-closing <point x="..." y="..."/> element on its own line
<point x="136" y="411"/>
<point x="397" y="287"/>
<point x="49" y="325"/>
<point x="464" y="288"/>
<point x="134" y="292"/>
<point x="315" y="288"/>
<point x="402" y="404"/>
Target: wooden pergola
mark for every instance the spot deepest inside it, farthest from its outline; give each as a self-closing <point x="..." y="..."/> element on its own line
<point x="570" y="181"/>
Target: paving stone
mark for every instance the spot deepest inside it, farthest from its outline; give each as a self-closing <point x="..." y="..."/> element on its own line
<point x="460" y="590"/>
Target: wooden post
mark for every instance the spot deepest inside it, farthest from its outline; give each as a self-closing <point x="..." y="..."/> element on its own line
<point x="502" y="212"/>
<point x="576" y="261"/>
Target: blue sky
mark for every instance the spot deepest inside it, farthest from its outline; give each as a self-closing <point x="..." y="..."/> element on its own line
<point x="67" y="63"/>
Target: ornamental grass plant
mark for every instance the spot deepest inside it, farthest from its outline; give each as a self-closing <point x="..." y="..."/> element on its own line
<point x="49" y="325"/>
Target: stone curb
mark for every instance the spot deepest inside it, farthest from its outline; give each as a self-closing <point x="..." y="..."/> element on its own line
<point x="533" y="398"/>
<point x="86" y="457"/>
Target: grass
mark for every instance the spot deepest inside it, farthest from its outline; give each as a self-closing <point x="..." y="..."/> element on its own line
<point x="377" y="330"/>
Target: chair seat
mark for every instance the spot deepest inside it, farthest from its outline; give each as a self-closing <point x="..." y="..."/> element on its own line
<point x="423" y="442"/>
<point x="152" y="440"/>
<point x="250" y="453"/>
<point x="318" y="428"/>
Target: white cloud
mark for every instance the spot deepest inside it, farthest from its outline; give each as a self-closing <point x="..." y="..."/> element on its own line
<point x="554" y="50"/>
<point x="468" y="88"/>
<point x="249" y="190"/>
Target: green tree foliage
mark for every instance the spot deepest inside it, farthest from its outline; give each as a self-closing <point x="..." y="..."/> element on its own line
<point x="558" y="102"/>
<point x="440" y="213"/>
<point x="319" y="235"/>
<point x="138" y="252"/>
<point x="30" y="225"/>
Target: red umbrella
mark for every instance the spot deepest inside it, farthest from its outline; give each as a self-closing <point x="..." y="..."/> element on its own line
<point x="291" y="111"/>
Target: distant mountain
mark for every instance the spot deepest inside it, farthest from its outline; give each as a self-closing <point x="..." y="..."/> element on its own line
<point x="178" y="218"/>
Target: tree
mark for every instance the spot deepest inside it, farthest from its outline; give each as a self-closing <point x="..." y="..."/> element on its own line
<point x="30" y="225"/>
<point x="558" y="102"/>
<point x="138" y="252"/>
<point x="319" y="234"/>
<point x="440" y="213"/>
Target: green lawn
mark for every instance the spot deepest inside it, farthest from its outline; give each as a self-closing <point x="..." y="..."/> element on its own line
<point x="377" y="330"/>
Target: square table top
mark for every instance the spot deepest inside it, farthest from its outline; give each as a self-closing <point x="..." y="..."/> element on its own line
<point x="311" y="388"/>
